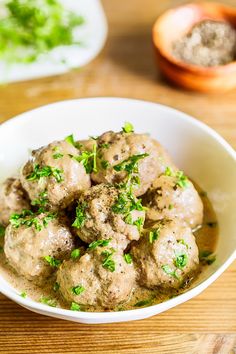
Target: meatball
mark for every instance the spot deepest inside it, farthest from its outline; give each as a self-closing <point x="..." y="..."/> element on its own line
<point x="13" y="199"/>
<point x="166" y="255"/>
<point x="92" y="280"/>
<point x="31" y="238"/>
<point x="54" y="169"/>
<point x="137" y="153"/>
<point x="106" y="212"/>
<point x="174" y="196"/>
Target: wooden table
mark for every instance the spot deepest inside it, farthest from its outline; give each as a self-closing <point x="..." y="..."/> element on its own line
<point x="206" y="324"/>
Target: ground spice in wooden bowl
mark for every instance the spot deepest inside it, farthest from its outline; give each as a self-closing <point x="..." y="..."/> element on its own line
<point x="209" y="43"/>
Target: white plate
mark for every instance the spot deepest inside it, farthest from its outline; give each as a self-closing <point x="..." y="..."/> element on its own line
<point x="93" y="35"/>
<point x="196" y="148"/>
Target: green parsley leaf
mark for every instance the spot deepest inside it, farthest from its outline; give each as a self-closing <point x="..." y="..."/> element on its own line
<point x="88" y="159"/>
<point x="48" y="301"/>
<point x="105" y="164"/>
<point x="52" y="261"/>
<point x="104" y="146"/>
<point x="181" y="260"/>
<point x="98" y="243"/>
<point x="29" y="29"/>
<point x="77" y="290"/>
<point x="143" y="303"/>
<point x="42" y="200"/>
<point x="2" y="231"/>
<point x="75" y="253"/>
<point x="183" y="243"/>
<point x="80" y="215"/>
<point x="166" y="268"/>
<point x="45" y="171"/>
<point x="57" y="156"/>
<point x="108" y="262"/>
<point x="181" y="180"/>
<point x="27" y="218"/>
<point x="130" y="165"/>
<point x="154" y="234"/>
<point x="75" y="306"/>
<point x="171" y="206"/>
<point x="128" y="258"/>
<point x="207" y="257"/>
<point x="23" y="294"/>
<point x="56" y="286"/>
<point x="128" y="128"/>
<point x="139" y="223"/>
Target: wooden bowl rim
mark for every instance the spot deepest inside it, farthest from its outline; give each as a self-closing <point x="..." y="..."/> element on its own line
<point x="220" y="69"/>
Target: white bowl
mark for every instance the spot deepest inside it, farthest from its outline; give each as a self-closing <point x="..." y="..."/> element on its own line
<point x="195" y="148"/>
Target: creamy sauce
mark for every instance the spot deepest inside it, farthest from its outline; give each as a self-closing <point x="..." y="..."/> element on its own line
<point x="206" y="238"/>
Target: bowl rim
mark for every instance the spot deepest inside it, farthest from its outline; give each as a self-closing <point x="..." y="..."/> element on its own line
<point x="118" y="316"/>
<point x="194" y="69"/>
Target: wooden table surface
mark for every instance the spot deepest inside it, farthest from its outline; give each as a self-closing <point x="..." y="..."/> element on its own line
<point x="207" y="323"/>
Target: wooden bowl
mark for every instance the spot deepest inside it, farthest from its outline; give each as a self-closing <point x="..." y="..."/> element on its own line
<point x="174" y="24"/>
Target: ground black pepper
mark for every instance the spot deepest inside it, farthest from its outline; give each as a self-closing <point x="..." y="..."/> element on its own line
<point x="209" y="43"/>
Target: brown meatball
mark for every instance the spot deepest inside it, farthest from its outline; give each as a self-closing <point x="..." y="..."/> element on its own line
<point x="88" y="281"/>
<point x="13" y="199"/>
<point x="101" y="214"/>
<point x="65" y="177"/>
<point x="169" y="198"/>
<point x="115" y="148"/>
<point x="166" y="255"/>
<point x="26" y="246"/>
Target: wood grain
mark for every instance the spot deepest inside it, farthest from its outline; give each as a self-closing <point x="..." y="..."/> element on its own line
<point x="206" y="324"/>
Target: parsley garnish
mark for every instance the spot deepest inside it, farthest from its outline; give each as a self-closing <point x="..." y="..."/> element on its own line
<point x="48" y="301"/>
<point x="74" y="306"/>
<point x="128" y="128"/>
<point x="2" y="230"/>
<point x="98" y="243"/>
<point x="143" y="303"/>
<point x="88" y="159"/>
<point x="154" y="234"/>
<point x="45" y="171"/>
<point x="181" y="260"/>
<point x="207" y="257"/>
<point x="128" y="258"/>
<point x="80" y="215"/>
<point x="104" y="145"/>
<point x="56" y="286"/>
<point x="75" y="253"/>
<point x="52" y="261"/>
<point x="32" y="28"/>
<point x="181" y="180"/>
<point x="105" y="164"/>
<point x="77" y="290"/>
<point x="108" y="262"/>
<point x="166" y="268"/>
<point x="183" y="242"/>
<point x="57" y="156"/>
<point x="42" y="200"/>
<point x="23" y="294"/>
<point x="130" y="165"/>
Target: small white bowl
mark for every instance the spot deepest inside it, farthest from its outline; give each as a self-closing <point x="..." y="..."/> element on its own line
<point x="195" y="148"/>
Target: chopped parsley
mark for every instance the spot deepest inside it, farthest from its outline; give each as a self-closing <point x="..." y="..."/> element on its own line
<point x="171" y="206"/>
<point x="154" y="234"/>
<point x="130" y="165"/>
<point x="139" y="223"/>
<point x="104" y="145"/>
<point x="128" y="258"/>
<point x="23" y="294"/>
<point x="166" y="268"/>
<point x="80" y="215"/>
<point x="29" y="29"/>
<point x="105" y="164"/>
<point x="2" y="230"/>
<point x="75" y="253"/>
<point x="57" y="155"/>
<point x="181" y="180"/>
<point x="45" y="171"/>
<point x="48" y="301"/>
<point x="74" y="306"/>
<point x="183" y="242"/>
<point x="126" y="202"/>
<point x="181" y="260"/>
<point x="143" y="303"/>
<point x="128" y="128"/>
<point x="207" y="257"/>
<point x="56" y="286"/>
<point x="88" y="159"/>
<point x="98" y="243"/>
<point x="53" y="262"/>
<point x="77" y="290"/>
<point x="108" y="262"/>
<point x="42" y="200"/>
